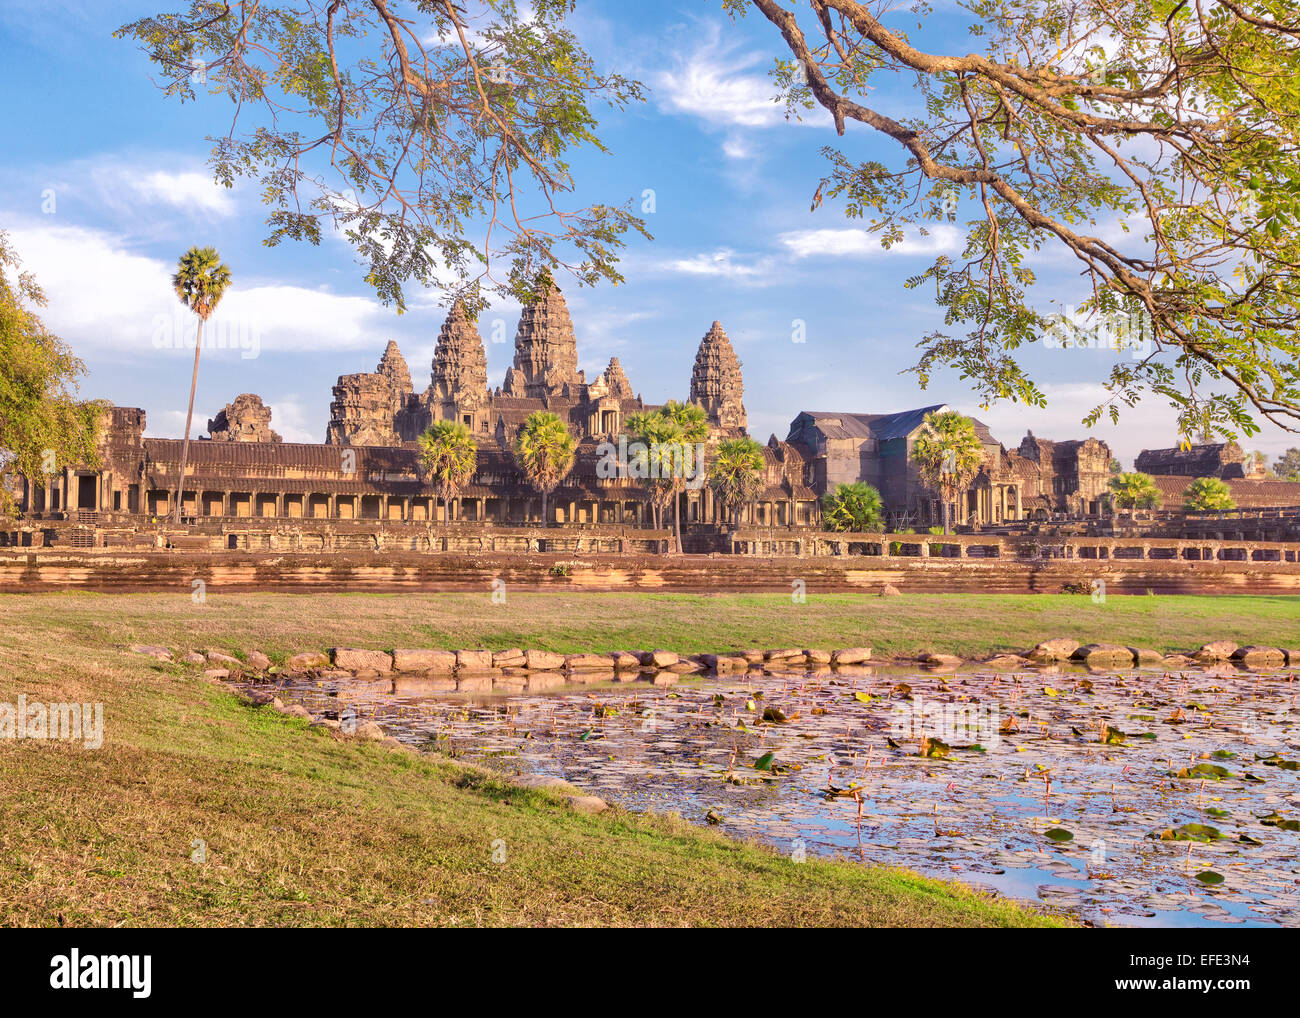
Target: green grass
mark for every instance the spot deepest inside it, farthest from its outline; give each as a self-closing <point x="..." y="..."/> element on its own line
<point x="303" y="827"/>
<point x="971" y="625"/>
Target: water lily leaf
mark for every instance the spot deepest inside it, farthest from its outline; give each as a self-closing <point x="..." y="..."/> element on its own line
<point x="1112" y="736"/>
<point x="1215" y="812"/>
<point x="775" y="715"/>
<point x="933" y="747"/>
<point x="764" y="762"/>
<point x="1224" y="754"/>
<point x="1246" y="839"/>
<point x="1058" y="834"/>
<point x="863" y="697"/>
<point x="1192" y="832"/>
<point x="1204" y="770"/>
<point x="1209" y="877"/>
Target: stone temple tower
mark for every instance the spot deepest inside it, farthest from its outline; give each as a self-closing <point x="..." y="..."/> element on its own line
<point x="459" y="388"/>
<point x="366" y="406"/>
<point x="546" y="349"/>
<point x="716" y="383"/>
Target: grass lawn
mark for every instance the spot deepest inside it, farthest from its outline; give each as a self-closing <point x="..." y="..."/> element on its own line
<point x="971" y="625"/>
<point x="302" y="827"/>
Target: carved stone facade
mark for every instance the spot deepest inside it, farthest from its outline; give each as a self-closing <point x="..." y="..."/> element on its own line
<point x="368" y="468"/>
<point x="247" y="419"/>
<point x="716" y="384"/>
<point x="367" y="406"/>
<point x="546" y="349"/>
<point x="381" y="408"/>
<point x="458" y="390"/>
<point x="1222" y="459"/>
<point x="1040" y="479"/>
<point x="1073" y="476"/>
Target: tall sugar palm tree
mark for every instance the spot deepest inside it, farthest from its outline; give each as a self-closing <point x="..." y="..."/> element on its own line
<point x="200" y="282"/>
<point x="448" y="456"/>
<point x="948" y="455"/>
<point x="736" y="474"/>
<point x="1134" y="490"/>
<point x="544" y="450"/>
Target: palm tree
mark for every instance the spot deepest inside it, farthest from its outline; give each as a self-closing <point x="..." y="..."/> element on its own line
<point x="448" y="456"/>
<point x="200" y="282"/>
<point x="544" y="450"/>
<point x="855" y="506"/>
<point x="737" y="474"/>
<point x="1208" y="494"/>
<point x="948" y="455"/>
<point x="654" y="439"/>
<point x="670" y="437"/>
<point x="1134" y="491"/>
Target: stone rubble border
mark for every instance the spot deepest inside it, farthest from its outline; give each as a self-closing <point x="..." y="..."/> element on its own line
<point x="450" y="667"/>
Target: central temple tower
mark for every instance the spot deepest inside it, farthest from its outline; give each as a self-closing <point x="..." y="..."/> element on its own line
<point x="546" y="349"/>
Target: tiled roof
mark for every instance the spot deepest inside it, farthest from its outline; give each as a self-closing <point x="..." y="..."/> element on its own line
<point x="883" y="427"/>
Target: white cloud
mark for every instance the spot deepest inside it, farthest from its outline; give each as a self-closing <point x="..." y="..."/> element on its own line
<point x="195" y="191"/>
<point x="137" y="188"/>
<point x="721" y="262"/>
<point x="103" y="296"/>
<point x="289" y="418"/>
<point x="858" y="243"/>
<point x="715" y="83"/>
<point x="736" y="146"/>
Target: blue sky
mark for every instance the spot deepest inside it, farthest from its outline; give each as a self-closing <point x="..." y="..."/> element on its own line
<point x="103" y="184"/>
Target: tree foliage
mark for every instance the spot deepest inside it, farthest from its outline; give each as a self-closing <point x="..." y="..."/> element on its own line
<point x="448" y="457"/>
<point x="544" y="450"/>
<point x="410" y="126"/>
<point x="948" y="455"/>
<point x="856" y="506"/>
<point x="1157" y="143"/>
<point x="1208" y="494"/>
<point x="1134" y="490"/>
<point x="668" y="454"/>
<point x="44" y="427"/>
<point x="736" y="474"/>
<point x="1287" y="466"/>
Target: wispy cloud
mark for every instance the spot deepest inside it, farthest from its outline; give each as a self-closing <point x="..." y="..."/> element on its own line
<point x="717" y="82"/>
<point x="722" y="262"/>
<point x="858" y="243"/>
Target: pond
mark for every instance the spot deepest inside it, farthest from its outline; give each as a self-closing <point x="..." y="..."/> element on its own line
<point x="1122" y="798"/>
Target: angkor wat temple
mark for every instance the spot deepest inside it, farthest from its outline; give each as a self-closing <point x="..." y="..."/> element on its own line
<point x="368" y="466"/>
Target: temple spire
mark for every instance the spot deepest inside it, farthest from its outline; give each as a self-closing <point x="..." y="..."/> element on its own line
<point x="716" y="383"/>
<point x="546" y="349"/>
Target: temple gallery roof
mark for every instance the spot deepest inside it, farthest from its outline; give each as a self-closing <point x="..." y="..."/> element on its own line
<point x="882" y="427"/>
